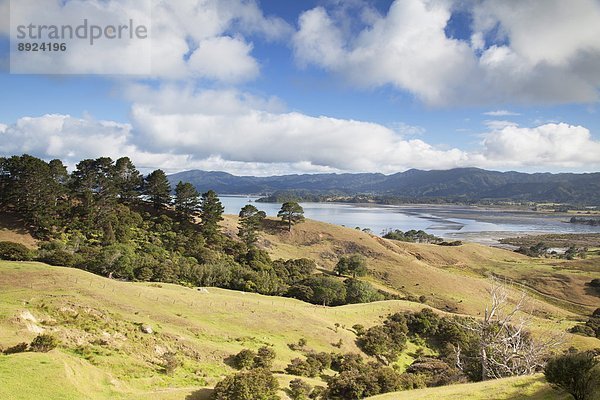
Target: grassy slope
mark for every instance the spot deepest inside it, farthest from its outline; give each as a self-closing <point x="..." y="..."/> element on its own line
<point x="437" y="271"/>
<point x="98" y="319"/>
<point x="98" y="322"/>
<point x="529" y="387"/>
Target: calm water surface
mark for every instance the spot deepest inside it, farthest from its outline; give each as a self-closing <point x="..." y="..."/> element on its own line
<point x="454" y="222"/>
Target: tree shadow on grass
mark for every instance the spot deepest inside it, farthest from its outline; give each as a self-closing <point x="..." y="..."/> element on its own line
<point x="273" y="227"/>
<point x="200" y="394"/>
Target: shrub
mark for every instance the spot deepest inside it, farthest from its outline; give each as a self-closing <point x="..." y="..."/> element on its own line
<point x="363" y="382"/>
<point x="412" y="381"/>
<point x="256" y="384"/>
<point x="301" y="367"/>
<point x="577" y="373"/>
<point x="345" y="362"/>
<point x="385" y="341"/>
<point x="297" y="346"/>
<point x="264" y="357"/>
<point x="58" y="257"/>
<point x="359" y="329"/>
<point x="583" y="330"/>
<point x="358" y="291"/>
<point x="12" y="251"/>
<point x="320" y="289"/>
<point x="436" y="372"/>
<point x="299" y="390"/>
<point x="43" y="343"/>
<point x="318" y="392"/>
<point x="244" y="359"/>
<point x="322" y="359"/>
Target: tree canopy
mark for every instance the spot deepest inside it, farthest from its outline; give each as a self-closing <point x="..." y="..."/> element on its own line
<point x="158" y="188"/>
<point x="291" y="213"/>
<point x="211" y="213"/>
<point x="250" y="223"/>
<point x="187" y="200"/>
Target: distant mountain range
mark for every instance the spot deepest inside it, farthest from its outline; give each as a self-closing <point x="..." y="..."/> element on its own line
<point x="468" y="184"/>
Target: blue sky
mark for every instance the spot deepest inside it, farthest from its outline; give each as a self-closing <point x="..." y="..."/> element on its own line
<point x="271" y="87"/>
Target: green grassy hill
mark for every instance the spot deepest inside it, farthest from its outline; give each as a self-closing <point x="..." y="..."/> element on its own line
<point x="436" y="272"/>
<point x="105" y="355"/>
<point x="98" y="322"/>
<point x="518" y="388"/>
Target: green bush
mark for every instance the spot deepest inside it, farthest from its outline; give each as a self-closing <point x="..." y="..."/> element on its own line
<point x="264" y="357"/>
<point x="577" y="373"/>
<point x="43" y="343"/>
<point x="244" y="359"/>
<point x="60" y="258"/>
<point x="299" y="390"/>
<point x="12" y="251"/>
<point x="256" y="384"/>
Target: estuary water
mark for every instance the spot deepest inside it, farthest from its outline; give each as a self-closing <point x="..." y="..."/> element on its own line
<point x="470" y="223"/>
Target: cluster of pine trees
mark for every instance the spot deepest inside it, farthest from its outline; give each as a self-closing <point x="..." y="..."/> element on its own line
<point x="107" y="218"/>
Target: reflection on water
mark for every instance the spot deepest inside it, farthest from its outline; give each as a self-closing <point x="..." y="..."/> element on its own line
<point x="456" y="222"/>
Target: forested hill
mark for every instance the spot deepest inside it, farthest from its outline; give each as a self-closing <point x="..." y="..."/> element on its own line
<point x="470" y="184"/>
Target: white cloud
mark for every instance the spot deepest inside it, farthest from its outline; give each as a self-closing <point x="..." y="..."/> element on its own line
<point x="62" y="136"/>
<point x="243" y="134"/>
<point x="207" y="39"/>
<point x="497" y="124"/>
<point x="549" y="51"/>
<point x="501" y="113"/>
<point x="549" y="145"/>
<point x="225" y="59"/>
<point x="552" y="31"/>
<point x="407" y="48"/>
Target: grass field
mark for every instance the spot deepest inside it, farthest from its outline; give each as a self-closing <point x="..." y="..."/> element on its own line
<point x="98" y="322"/>
<point x="519" y="388"/>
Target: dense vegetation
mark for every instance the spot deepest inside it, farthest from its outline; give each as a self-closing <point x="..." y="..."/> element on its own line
<point x="412" y="236"/>
<point x="585" y="221"/>
<point x="454" y="356"/>
<point x="541" y="249"/>
<point x="106" y="218"/>
<point x="577" y="373"/>
<point x="591" y="327"/>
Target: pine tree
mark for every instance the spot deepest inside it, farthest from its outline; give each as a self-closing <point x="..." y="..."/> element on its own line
<point x="29" y="188"/>
<point x="292" y="213"/>
<point x="211" y="213"/>
<point x="128" y="179"/>
<point x="157" y="187"/>
<point x="187" y="200"/>
<point x="250" y="222"/>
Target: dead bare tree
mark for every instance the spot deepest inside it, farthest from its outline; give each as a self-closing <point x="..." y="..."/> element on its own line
<point x="505" y="344"/>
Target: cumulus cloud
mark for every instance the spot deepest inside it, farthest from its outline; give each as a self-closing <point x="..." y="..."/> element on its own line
<point x="522" y="51"/>
<point x="551" y="145"/>
<point x="240" y="133"/>
<point x="407" y="48"/>
<point x="63" y="136"/>
<point x="206" y="39"/>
